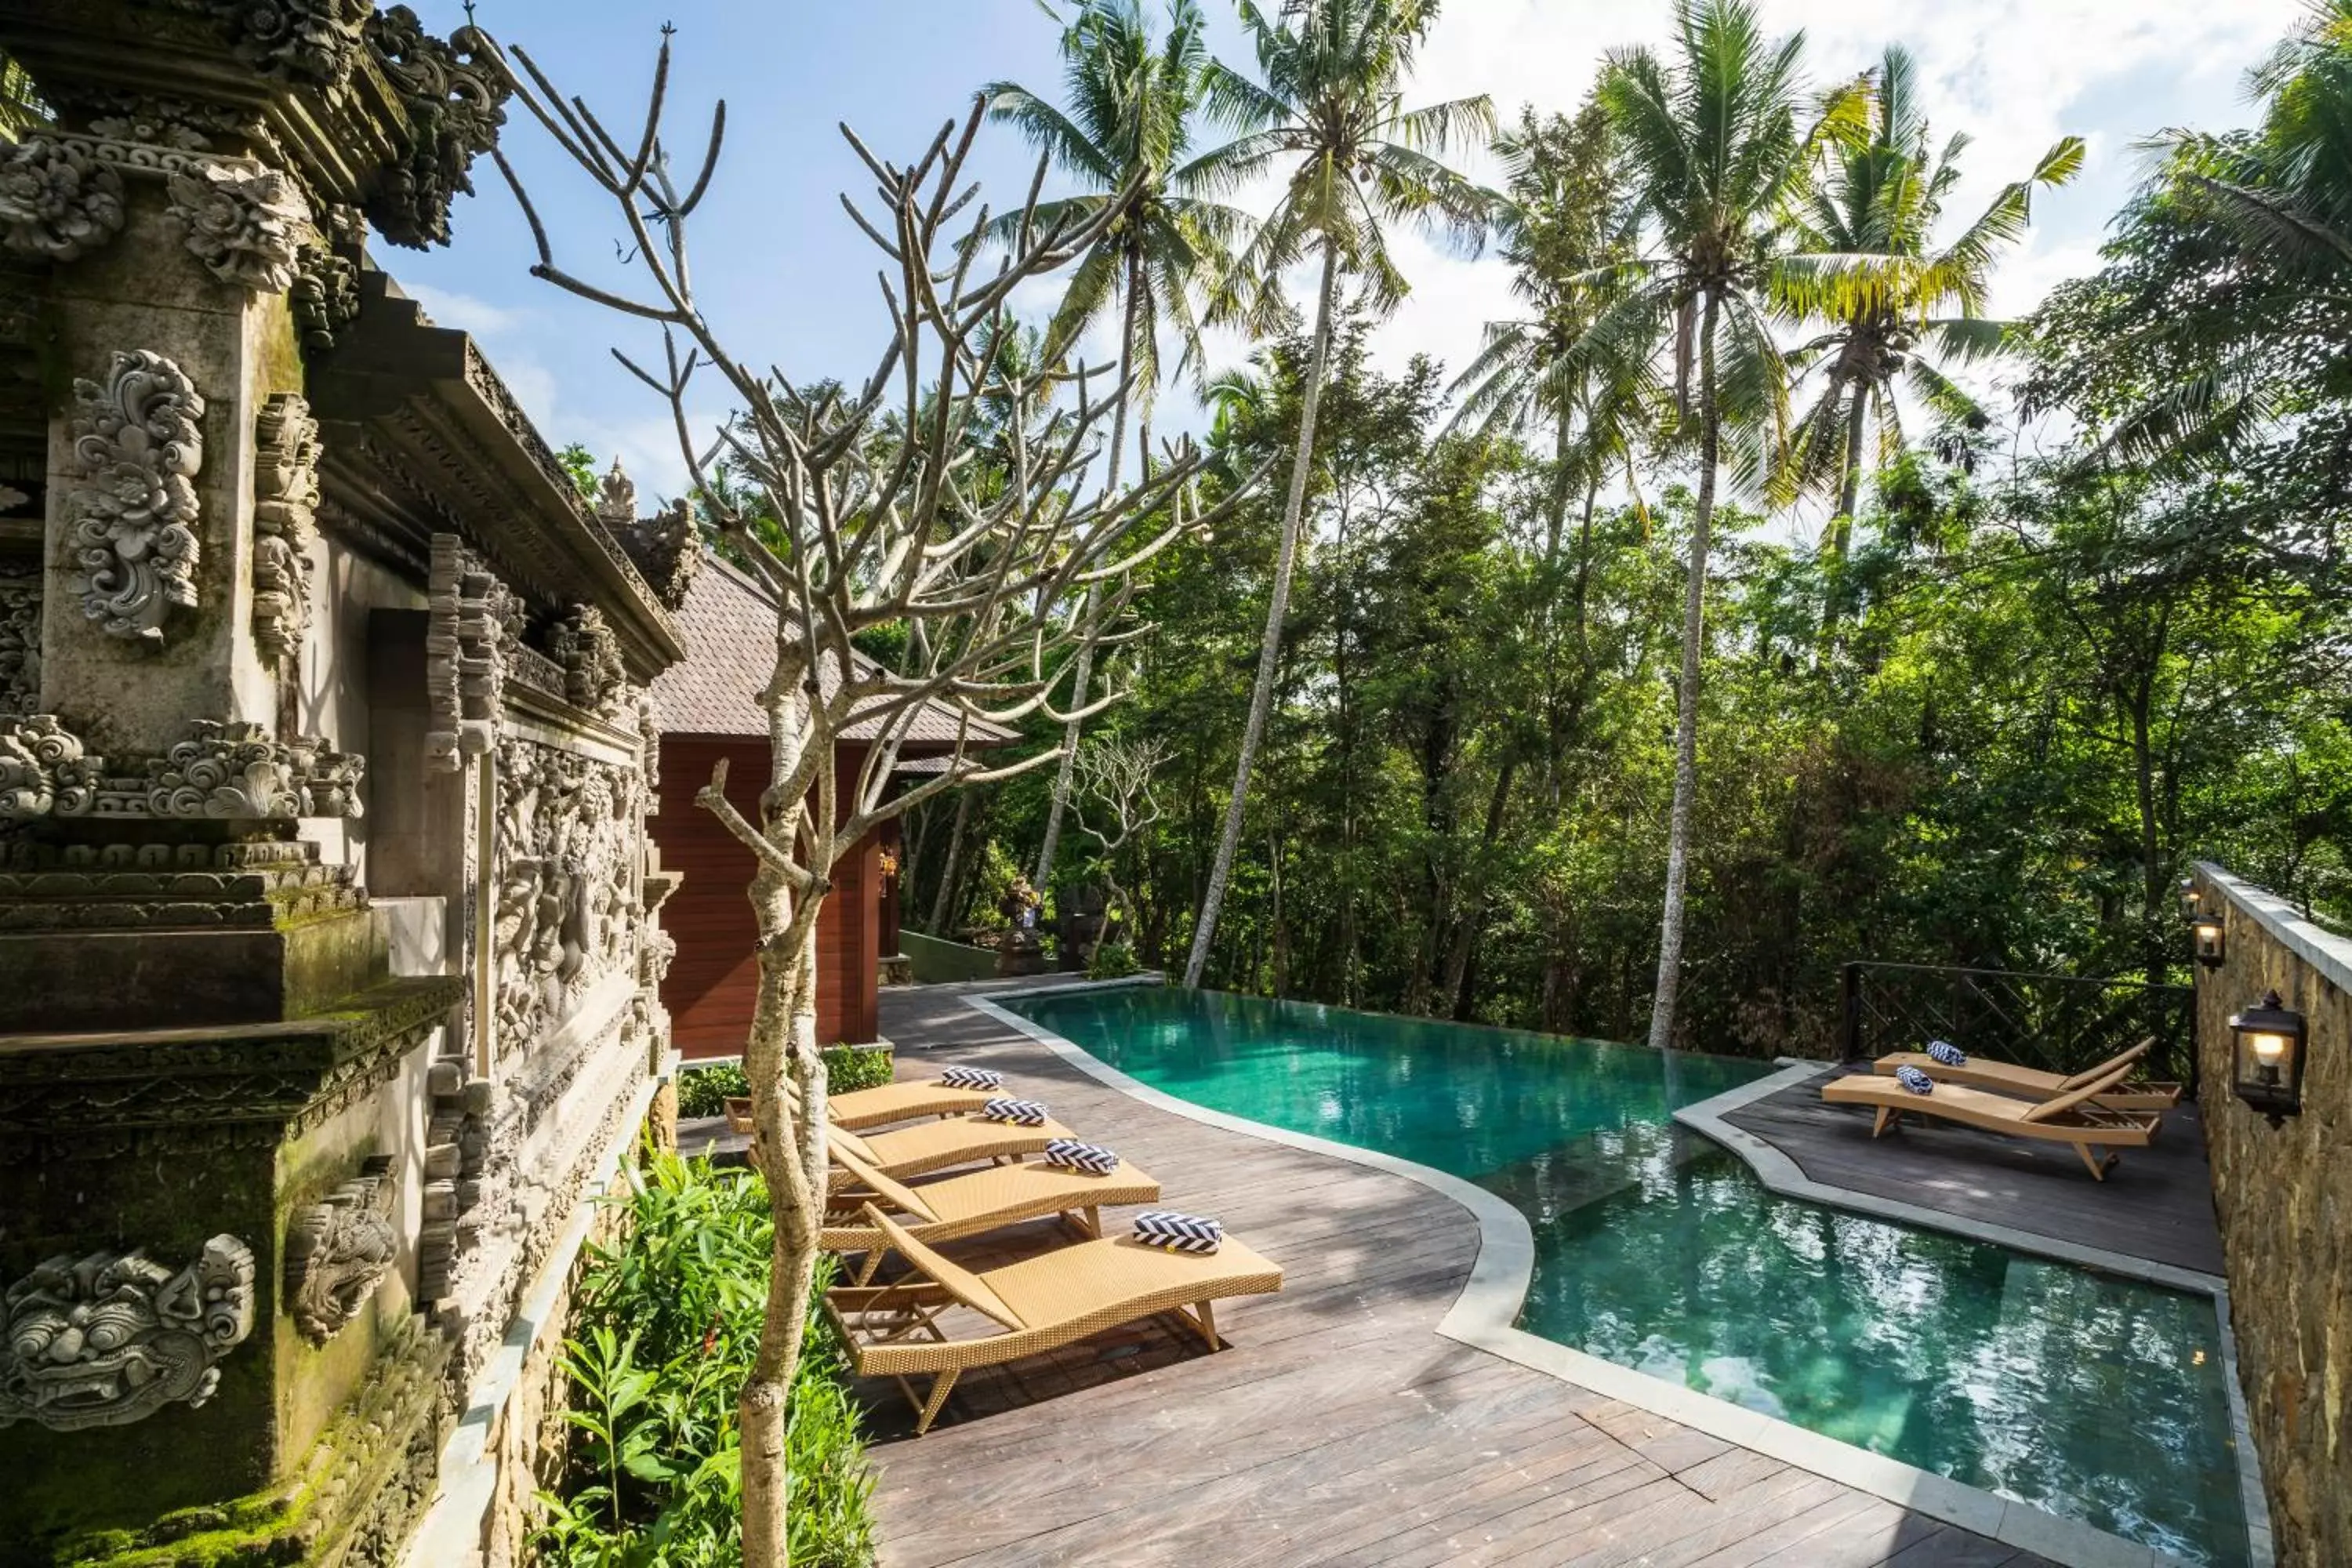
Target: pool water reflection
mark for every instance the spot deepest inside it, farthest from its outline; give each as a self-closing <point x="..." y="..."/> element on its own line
<point x="2097" y="1398"/>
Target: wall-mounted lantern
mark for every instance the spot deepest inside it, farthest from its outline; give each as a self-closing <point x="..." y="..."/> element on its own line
<point x="2267" y="1042"/>
<point x="2206" y="940"/>
<point x="2189" y="900"/>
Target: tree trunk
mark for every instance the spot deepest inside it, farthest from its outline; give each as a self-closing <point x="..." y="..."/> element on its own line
<point x="1084" y="672"/>
<point x="1857" y="430"/>
<point x="1459" y="969"/>
<point x="791" y="1147"/>
<point x="1269" y="658"/>
<point x="942" y="901"/>
<point x="1670" y="926"/>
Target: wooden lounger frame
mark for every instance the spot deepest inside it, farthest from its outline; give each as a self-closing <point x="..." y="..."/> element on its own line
<point x="1074" y="1197"/>
<point x="2031" y="1083"/>
<point x="2068" y="1118"/>
<point x="893" y="1330"/>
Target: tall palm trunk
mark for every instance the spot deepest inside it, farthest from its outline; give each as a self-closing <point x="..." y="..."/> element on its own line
<point x="1857" y="430"/>
<point x="1085" y="665"/>
<point x="1269" y="656"/>
<point x="1678" y="831"/>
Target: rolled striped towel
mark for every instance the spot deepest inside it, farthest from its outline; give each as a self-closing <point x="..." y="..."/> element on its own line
<point x="1024" y="1112"/>
<point x="1071" y="1155"/>
<point x="1950" y="1055"/>
<point x="1178" y="1232"/>
<point x="1915" y="1081"/>
<point x="970" y="1078"/>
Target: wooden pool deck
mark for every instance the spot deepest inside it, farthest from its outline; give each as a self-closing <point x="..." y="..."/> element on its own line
<point x="1336" y="1427"/>
<point x="2155" y="1205"/>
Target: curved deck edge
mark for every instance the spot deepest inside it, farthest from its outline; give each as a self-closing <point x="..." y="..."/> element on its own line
<point x="1485" y="1315"/>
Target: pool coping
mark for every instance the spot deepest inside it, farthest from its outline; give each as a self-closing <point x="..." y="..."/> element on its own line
<point x="1484" y="1313"/>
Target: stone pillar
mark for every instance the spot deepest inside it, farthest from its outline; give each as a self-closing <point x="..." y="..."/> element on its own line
<point x="150" y="560"/>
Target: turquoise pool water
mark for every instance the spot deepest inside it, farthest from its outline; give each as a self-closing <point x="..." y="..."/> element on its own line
<point x="2094" y="1397"/>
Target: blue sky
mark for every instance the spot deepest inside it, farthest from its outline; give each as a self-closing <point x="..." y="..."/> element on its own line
<point x="789" y="282"/>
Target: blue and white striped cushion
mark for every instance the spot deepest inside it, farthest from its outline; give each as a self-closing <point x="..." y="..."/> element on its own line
<point x="1915" y="1081"/>
<point x="970" y="1078"/>
<point x="1950" y="1055"/>
<point x="1071" y="1155"/>
<point x="1178" y="1232"/>
<point x="1024" y="1112"/>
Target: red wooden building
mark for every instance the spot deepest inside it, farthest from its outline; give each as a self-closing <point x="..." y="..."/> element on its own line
<point x="709" y="707"/>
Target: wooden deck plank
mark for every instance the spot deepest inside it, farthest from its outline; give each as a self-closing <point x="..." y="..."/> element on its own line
<point x="2156" y="1204"/>
<point x="1336" y="1427"/>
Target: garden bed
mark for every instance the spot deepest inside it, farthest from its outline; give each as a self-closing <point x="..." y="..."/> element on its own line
<point x="665" y="1325"/>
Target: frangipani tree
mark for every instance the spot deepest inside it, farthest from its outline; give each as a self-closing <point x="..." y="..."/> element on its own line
<point x="943" y="496"/>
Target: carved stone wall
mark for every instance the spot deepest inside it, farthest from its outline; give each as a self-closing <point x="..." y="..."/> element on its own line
<point x="476" y="621"/>
<point x="131" y="513"/>
<point x="20" y="641"/>
<point x="568" y="843"/>
<point x="285" y="504"/>
<point x="110" y="1338"/>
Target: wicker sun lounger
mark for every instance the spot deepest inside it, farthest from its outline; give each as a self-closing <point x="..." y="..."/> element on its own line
<point x="929" y="1146"/>
<point x="976" y="1202"/>
<point x="2031" y="1083"/>
<point x="2069" y="1118"/>
<point x="1042" y="1303"/>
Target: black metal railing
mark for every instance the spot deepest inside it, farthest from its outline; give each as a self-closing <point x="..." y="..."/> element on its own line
<point x="2060" y="1022"/>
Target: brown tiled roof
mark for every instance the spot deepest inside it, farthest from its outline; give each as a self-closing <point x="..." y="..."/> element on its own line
<point x="729" y="633"/>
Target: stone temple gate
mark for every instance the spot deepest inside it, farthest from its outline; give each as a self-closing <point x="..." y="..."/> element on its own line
<point x="328" y="952"/>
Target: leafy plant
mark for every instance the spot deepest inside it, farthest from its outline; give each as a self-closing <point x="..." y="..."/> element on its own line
<point x="666" y="1324"/>
<point x="1113" y="957"/>
<point x="705" y="1090"/>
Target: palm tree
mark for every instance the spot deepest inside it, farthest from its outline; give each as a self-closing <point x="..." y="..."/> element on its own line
<point x="1330" y="107"/>
<point x="1132" y="103"/>
<point x="1892" y="305"/>
<point x="1717" y="150"/>
<point x="1564" y="228"/>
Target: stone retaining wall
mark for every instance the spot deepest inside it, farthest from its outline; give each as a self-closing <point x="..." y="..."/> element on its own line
<point x="2285" y="1198"/>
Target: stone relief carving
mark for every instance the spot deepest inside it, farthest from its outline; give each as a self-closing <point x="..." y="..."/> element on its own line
<point x="454" y="93"/>
<point x="593" y="676"/>
<point x="617" y="498"/>
<point x="111" y="1338"/>
<point x="245" y="222"/>
<point x="132" y="513"/>
<point x="308" y="40"/>
<point x="324" y="295"/>
<point x="222" y="771"/>
<point x="567" y="833"/>
<point x="285" y="505"/>
<point x="58" y="200"/>
<point x="474" y="617"/>
<point x="43" y="771"/>
<point x="184" y="123"/>
<point x="664" y="546"/>
<point x="339" y="1250"/>
<point x="20" y="644"/>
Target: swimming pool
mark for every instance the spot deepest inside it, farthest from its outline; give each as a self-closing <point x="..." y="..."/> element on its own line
<point x="2097" y="1398"/>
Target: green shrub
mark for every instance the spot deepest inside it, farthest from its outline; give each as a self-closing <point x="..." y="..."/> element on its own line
<point x="848" y="1067"/>
<point x="1112" y="959"/>
<point x="705" y="1090"/>
<point x="665" y="1326"/>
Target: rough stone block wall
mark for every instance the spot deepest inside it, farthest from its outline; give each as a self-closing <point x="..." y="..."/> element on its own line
<point x="2285" y="1198"/>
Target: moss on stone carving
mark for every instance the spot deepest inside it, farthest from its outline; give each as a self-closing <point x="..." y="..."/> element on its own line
<point x="349" y="1506"/>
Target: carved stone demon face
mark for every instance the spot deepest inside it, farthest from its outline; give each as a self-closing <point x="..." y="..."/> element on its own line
<point x="112" y="1337"/>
